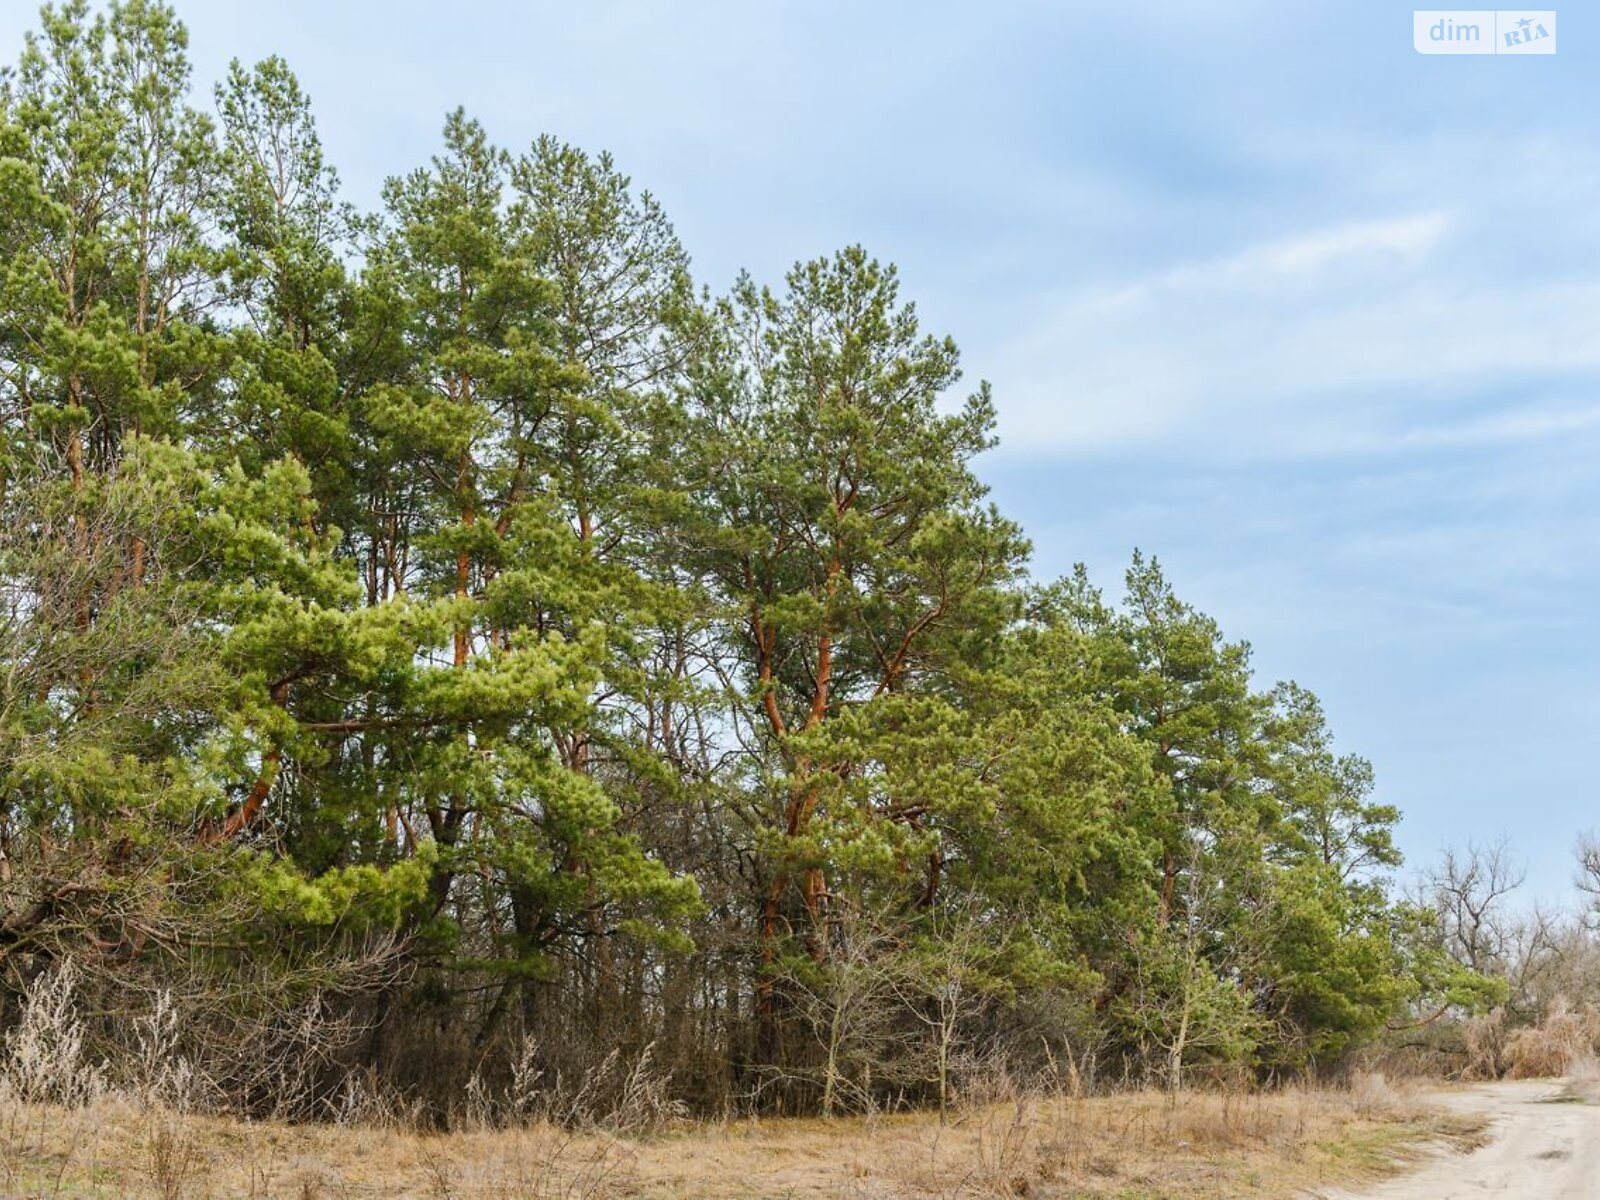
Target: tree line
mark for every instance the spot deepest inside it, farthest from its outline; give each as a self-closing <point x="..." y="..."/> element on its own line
<point x="447" y="646"/>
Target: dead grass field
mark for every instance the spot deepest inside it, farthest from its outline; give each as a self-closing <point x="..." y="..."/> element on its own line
<point x="1125" y="1146"/>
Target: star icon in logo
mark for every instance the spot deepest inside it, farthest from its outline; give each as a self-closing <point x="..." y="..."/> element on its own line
<point x="1524" y="23"/>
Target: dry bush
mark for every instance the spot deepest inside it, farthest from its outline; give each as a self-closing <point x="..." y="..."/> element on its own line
<point x="544" y="1162"/>
<point x="161" y="1074"/>
<point x="1428" y="1051"/>
<point x="984" y="1080"/>
<point x="1376" y="1097"/>
<point x="364" y="1100"/>
<point x="1004" y="1113"/>
<point x="1565" y="1040"/>
<point x="622" y="1094"/>
<point x="634" y="1098"/>
<point x="1485" y="1039"/>
<point x="86" y="1034"/>
<point x="188" y="1054"/>
<point x="172" y="1155"/>
<point x="45" y="1059"/>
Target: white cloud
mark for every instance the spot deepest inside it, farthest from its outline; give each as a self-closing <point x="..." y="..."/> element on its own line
<point x="1336" y="339"/>
<point x="1373" y="246"/>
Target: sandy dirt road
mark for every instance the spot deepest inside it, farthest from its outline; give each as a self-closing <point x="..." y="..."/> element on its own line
<point x="1542" y="1146"/>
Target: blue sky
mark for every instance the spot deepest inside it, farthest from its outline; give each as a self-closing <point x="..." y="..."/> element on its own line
<point x="1311" y="317"/>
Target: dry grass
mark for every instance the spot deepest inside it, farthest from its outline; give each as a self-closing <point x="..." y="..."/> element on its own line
<point x="1563" y="1043"/>
<point x="1136" y="1145"/>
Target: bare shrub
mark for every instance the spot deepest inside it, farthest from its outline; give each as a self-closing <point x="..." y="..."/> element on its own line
<point x="621" y="1094"/>
<point x="1004" y="1147"/>
<point x="45" y="1058"/>
<point x="185" y="1043"/>
<point x="548" y="1162"/>
<point x="172" y="1155"/>
<point x="1566" y="1038"/>
<point x="363" y="1099"/>
<point x="644" y="1102"/>
<point x="1485" y="1038"/>
<point x="162" y="1074"/>
<point x="989" y="1079"/>
<point x="268" y="1039"/>
<point x="1373" y="1097"/>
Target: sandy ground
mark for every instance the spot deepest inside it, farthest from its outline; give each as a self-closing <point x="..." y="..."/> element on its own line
<point x="1543" y="1144"/>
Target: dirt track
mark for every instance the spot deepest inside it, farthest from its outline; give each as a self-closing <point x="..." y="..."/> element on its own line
<point x="1542" y="1146"/>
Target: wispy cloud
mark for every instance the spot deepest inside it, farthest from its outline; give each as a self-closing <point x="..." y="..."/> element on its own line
<point x="1341" y="339"/>
<point x="1308" y="258"/>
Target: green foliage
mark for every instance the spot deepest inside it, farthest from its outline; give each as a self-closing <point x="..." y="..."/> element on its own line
<point x="633" y="658"/>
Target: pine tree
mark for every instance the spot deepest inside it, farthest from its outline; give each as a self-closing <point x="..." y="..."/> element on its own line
<point x="843" y="527"/>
